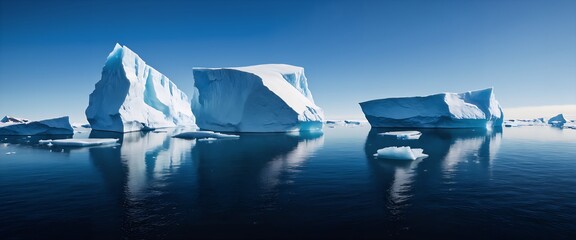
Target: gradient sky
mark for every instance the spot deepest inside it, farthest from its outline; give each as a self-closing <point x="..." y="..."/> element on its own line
<point x="52" y="52"/>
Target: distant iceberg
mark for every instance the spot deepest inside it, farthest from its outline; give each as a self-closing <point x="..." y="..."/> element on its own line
<point x="473" y="109"/>
<point x="400" y="153"/>
<point x="205" y="135"/>
<point x="132" y="96"/>
<point x="261" y="98"/>
<point x="557" y="120"/>
<point x="20" y="126"/>
<point x="84" y="142"/>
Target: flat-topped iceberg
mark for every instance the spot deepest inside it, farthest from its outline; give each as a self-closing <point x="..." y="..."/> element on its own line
<point x="473" y="109"/>
<point x="400" y="153"/>
<point x="205" y="135"/>
<point x="132" y="96"/>
<point x="404" y="135"/>
<point x="261" y="98"/>
<point x="20" y="126"/>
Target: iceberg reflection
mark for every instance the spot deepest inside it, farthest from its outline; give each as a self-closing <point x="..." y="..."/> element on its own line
<point x="448" y="150"/>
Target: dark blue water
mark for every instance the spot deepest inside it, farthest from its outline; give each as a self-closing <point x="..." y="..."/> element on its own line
<point x="516" y="183"/>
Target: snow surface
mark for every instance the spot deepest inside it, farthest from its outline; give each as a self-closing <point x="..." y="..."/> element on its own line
<point x="261" y="98"/>
<point x="473" y="109"/>
<point x="54" y="126"/>
<point x="400" y="153"/>
<point x="205" y="134"/>
<point x="404" y="135"/>
<point x="132" y="96"/>
<point x="79" y="142"/>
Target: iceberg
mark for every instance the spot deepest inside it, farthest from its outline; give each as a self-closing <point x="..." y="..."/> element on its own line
<point x="260" y="98"/>
<point x="132" y="96"/>
<point x="8" y="119"/>
<point x="79" y="142"/>
<point x="19" y="126"/>
<point x="557" y="120"/>
<point x="400" y="153"/>
<point x="205" y="134"/>
<point x="404" y="135"/>
<point x="473" y="109"/>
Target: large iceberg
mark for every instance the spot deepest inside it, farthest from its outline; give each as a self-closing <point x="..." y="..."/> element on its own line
<point x="20" y="126"/>
<point x="132" y="96"/>
<point x="261" y="98"/>
<point x="473" y="109"/>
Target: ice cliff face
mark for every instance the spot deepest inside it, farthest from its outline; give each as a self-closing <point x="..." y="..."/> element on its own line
<point x="20" y="126"/>
<point x="473" y="109"/>
<point x="132" y="96"/>
<point x="261" y="98"/>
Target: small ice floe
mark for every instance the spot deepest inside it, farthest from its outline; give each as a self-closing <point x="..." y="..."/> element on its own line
<point x="79" y="142"/>
<point x="400" y="153"/>
<point x="10" y="153"/>
<point x="205" y="134"/>
<point x="404" y="135"/>
<point x="207" y="139"/>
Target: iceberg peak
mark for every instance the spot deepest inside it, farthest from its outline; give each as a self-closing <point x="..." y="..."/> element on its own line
<point x="132" y="96"/>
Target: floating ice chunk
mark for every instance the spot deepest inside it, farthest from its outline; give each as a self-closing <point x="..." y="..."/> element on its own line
<point x="404" y="135"/>
<point x="10" y="153"/>
<point x="400" y="153"/>
<point x="205" y="134"/>
<point x="79" y="142"/>
<point x="207" y="139"/>
<point x="24" y="127"/>
<point x="557" y="120"/>
<point x="473" y="109"/>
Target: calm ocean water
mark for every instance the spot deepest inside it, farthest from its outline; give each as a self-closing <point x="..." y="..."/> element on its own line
<point x="515" y="183"/>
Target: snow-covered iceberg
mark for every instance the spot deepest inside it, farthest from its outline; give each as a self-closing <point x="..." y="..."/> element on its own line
<point x="132" y="96"/>
<point x="400" y="153"/>
<point x="473" y="109"/>
<point x="261" y="98"/>
<point x="20" y="126"/>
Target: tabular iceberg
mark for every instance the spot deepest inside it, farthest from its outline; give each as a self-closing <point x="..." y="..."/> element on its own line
<point x="18" y="126"/>
<point x="261" y="98"/>
<point x="473" y="109"/>
<point x="132" y="96"/>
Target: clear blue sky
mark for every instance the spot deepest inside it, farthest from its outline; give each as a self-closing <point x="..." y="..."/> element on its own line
<point x="52" y="52"/>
